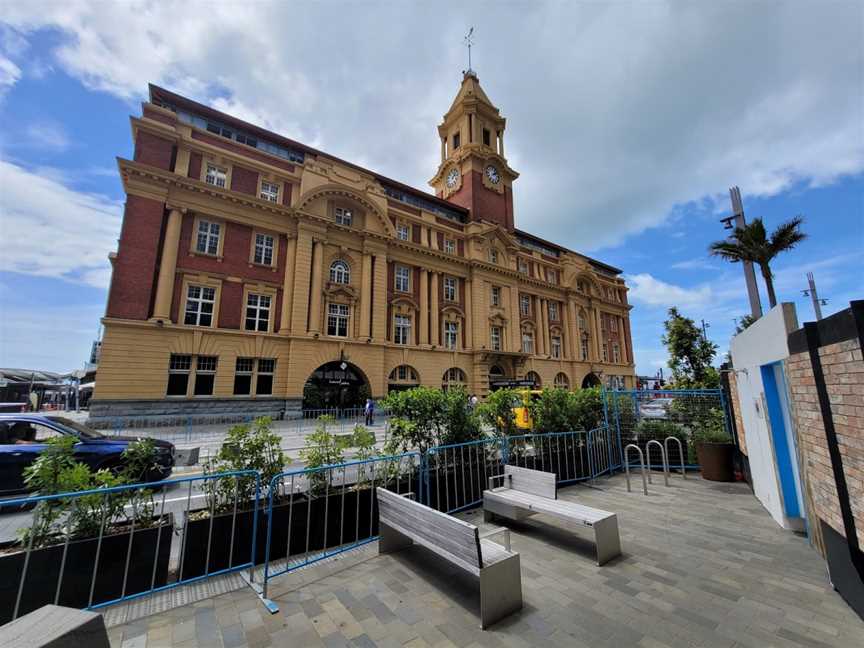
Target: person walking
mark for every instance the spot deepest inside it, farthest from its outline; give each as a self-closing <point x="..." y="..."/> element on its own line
<point x="369" y="410"/>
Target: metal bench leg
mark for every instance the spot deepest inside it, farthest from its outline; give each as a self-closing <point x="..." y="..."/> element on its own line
<point x="500" y="591"/>
<point x="607" y="539"/>
<point x="391" y="540"/>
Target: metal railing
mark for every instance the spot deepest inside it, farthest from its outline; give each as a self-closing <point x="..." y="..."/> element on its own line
<point x="102" y="546"/>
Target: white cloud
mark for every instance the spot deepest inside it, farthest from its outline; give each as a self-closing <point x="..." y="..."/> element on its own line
<point x="616" y="113"/>
<point x="697" y="263"/>
<point x="9" y="75"/>
<point x="47" y="135"/>
<point x="646" y="289"/>
<point x="51" y="230"/>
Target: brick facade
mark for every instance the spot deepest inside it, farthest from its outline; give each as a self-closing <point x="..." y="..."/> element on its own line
<point x="843" y="370"/>
<point x="736" y="412"/>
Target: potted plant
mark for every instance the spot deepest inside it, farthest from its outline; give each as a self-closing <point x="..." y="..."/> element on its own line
<point x="219" y="536"/>
<point x="714" y="449"/>
<point x="67" y="534"/>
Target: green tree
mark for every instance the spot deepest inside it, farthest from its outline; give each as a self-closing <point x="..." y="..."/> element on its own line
<point x="690" y="353"/>
<point x="752" y="243"/>
<point x="424" y="416"/>
<point x="743" y="322"/>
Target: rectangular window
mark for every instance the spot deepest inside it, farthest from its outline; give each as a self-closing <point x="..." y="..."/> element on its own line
<point x="449" y="289"/>
<point x="456" y="140"/>
<point x="257" y="312"/>
<point x="451" y="334"/>
<point x="264" y="249"/>
<point x="613" y="324"/>
<point x="403" y="283"/>
<point x="487" y="137"/>
<point x="522" y="264"/>
<point x="605" y="353"/>
<point x="264" y="382"/>
<point x="553" y="311"/>
<point x="344" y="216"/>
<point x="495" y="338"/>
<point x="496" y="296"/>
<point x="552" y="276"/>
<point x="527" y="343"/>
<point x="200" y="301"/>
<point x="493" y="255"/>
<point x="403" y="232"/>
<point x="270" y="191"/>
<point x="616" y="353"/>
<point x="524" y="305"/>
<point x="205" y="375"/>
<point x="337" y="320"/>
<point x="178" y="374"/>
<point x="216" y="176"/>
<point x="585" y="349"/>
<point x="555" y="343"/>
<point x="449" y="246"/>
<point x="208" y="237"/>
<point x="243" y="376"/>
<point x="402" y="329"/>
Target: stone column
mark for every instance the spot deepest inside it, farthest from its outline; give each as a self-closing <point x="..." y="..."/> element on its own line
<point x="315" y="297"/>
<point x="379" y="299"/>
<point x="515" y="319"/>
<point x="544" y="318"/>
<point x="168" y="267"/>
<point x="423" y="327"/>
<point x="366" y="296"/>
<point x="469" y="320"/>
<point x="595" y="317"/>
<point x="434" y="319"/>
<point x="443" y="149"/>
<point x="302" y="271"/>
<point x="566" y="338"/>
<point x="288" y="286"/>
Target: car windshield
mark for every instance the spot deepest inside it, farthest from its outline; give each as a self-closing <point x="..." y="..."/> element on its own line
<point x="81" y="429"/>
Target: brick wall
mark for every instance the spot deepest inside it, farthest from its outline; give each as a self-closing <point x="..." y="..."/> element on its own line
<point x="244" y="180"/>
<point x="843" y="371"/>
<point x="736" y="412"/>
<point x="153" y="150"/>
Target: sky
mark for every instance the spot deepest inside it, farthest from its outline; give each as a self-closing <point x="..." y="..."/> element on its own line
<point x="628" y="122"/>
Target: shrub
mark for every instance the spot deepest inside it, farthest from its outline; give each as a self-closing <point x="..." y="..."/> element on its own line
<point x="660" y="430"/>
<point x="497" y="412"/>
<point x="423" y="417"/>
<point x="587" y="409"/>
<point x="711" y="428"/>
<point x="553" y="411"/>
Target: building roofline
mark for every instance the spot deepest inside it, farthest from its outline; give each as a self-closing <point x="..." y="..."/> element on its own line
<point x="555" y="246"/>
<point x="157" y="92"/>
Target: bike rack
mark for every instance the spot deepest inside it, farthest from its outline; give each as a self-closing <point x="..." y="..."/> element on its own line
<point x="680" y="452"/>
<point x="662" y="456"/>
<point x="641" y="464"/>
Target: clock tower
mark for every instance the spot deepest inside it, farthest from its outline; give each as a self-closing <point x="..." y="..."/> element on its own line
<point x="473" y="172"/>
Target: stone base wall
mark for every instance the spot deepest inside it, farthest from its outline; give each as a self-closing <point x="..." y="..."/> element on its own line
<point x="168" y="413"/>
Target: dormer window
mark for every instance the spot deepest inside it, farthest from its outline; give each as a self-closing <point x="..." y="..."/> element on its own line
<point x="269" y="191"/>
<point x="216" y="176"/>
<point x="456" y="142"/>
<point x="402" y="231"/>
<point x="344" y="216"/>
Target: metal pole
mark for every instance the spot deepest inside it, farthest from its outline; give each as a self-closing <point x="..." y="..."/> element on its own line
<point x="817" y="307"/>
<point x="749" y="273"/>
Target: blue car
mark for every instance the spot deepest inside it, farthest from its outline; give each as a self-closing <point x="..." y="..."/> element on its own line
<point x="23" y="436"/>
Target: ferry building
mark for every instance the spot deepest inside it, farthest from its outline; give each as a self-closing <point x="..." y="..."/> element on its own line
<point x="255" y="274"/>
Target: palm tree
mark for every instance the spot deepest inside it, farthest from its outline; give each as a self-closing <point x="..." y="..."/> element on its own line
<point x="751" y="243"/>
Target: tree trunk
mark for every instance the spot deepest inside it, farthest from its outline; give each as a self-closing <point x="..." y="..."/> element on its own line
<point x="769" y="283"/>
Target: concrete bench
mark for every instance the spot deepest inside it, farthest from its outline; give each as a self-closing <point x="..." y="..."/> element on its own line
<point x="526" y="492"/>
<point x="52" y="626"/>
<point x="402" y="522"/>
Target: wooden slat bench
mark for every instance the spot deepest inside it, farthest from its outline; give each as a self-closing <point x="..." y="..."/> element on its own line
<point x="526" y="492"/>
<point x="402" y="522"/>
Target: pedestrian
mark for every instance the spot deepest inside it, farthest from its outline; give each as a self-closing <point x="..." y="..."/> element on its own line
<point x="369" y="410"/>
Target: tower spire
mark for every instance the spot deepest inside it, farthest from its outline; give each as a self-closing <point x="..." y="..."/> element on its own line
<point x="469" y="41"/>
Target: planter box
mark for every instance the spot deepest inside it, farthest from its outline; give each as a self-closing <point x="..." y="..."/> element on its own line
<point x="716" y="459"/>
<point x="230" y="542"/>
<point x="43" y="569"/>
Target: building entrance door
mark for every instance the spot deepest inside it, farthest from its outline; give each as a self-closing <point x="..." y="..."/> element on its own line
<point x="337" y="384"/>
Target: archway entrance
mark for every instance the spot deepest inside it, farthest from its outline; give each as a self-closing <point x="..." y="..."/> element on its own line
<point x="591" y="380"/>
<point x="336" y="384"/>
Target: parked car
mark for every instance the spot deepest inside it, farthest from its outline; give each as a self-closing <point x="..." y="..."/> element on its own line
<point x="23" y="436"/>
<point x="657" y="408"/>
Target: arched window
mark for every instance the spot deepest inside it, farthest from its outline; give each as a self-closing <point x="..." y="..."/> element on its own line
<point x="562" y="381"/>
<point x="534" y="378"/>
<point x="496" y="372"/>
<point x="404" y="374"/>
<point x="453" y="377"/>
<point x="340" y="272"/>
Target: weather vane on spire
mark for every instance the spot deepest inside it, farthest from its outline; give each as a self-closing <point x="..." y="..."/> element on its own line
<point x="468" y="43"/>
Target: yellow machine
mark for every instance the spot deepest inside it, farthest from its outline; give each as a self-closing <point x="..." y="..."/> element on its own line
<point x="521" y="410"/>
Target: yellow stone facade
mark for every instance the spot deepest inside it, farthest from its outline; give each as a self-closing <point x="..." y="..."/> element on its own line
<point x="519" y="306"/>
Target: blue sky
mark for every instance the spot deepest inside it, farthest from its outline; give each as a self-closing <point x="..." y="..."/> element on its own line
<point x="625" y="122"/>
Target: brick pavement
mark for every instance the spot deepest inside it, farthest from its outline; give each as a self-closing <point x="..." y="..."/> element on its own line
<point x="703" y="565"/>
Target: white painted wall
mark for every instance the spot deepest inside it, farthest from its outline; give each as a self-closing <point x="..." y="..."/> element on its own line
<point x="764" y="342"/>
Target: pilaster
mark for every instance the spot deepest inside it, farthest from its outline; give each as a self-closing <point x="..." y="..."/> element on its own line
<point x="423" y="327"/>
<point x="365" y="305"/>
<point x="288" y="286"/>
<point x="434" y="324"/>
<point x="379" y="298"/>
<point x="168" y="267"/>
<point x="315" y="297"/>
<point x="302" y="272"/>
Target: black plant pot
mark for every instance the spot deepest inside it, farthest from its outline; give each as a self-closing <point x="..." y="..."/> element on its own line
<point x="43" y="569"/>
<point x="716" y="461"/>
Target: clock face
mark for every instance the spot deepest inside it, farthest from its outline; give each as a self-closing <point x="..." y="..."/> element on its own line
<point x="452" y="178"/>
<point x="492" y="174"/>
